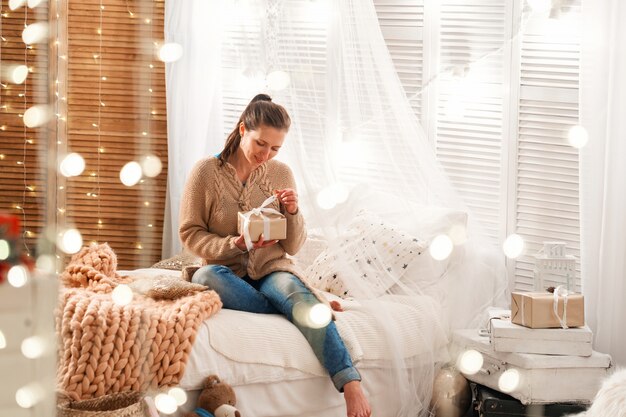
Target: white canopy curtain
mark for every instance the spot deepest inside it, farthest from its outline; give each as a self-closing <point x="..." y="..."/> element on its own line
<point x="602" y="170"/>
<point x="354" y="144"/>
<point x="194" y="104"/>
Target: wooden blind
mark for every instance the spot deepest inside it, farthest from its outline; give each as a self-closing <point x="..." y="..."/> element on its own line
<point x="115" y="115"/>
<point x="23" y="151"/>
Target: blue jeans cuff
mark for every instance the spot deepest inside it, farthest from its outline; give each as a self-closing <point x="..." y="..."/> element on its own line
<point x="344" y="376"/>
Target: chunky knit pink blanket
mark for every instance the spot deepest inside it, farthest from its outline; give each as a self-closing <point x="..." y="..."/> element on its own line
<point x="107" y="348"/>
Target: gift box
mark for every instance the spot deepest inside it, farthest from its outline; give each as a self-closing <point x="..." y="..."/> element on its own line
<point x="542" y="310"/>
<point x="506" y="336"/>
<point x="272" y="226"/>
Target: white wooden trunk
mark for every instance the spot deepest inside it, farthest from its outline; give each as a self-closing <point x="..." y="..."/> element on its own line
<point x="543" y="378"/>
<point x="510" y="337"/>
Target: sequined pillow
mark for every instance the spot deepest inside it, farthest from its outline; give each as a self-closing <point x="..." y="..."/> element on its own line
<point x="165" y="287"/>
<point x="177" y="262"/>
<point x="371" y="252"/>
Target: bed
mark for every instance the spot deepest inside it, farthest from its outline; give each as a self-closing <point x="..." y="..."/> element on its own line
<point x="396" y="340"/>
<point x="275" y="373"/>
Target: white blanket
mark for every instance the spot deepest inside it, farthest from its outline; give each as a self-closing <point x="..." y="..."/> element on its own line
<point x="268" y="348"/>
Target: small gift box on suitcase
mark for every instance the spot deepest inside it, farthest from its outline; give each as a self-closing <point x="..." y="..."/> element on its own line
<point x="542" y="310"/>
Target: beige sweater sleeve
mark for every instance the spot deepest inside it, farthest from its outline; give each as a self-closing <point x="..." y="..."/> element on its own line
<point x="195" y="210"/>
<point x="296" y="229"/>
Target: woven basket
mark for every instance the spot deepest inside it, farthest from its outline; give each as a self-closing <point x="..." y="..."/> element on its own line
<point x="125" y="404"/>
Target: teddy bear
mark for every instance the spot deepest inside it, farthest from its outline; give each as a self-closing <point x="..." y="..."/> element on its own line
<point x="217" y="399"/>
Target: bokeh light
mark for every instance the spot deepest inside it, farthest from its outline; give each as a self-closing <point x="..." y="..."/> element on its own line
<point x="179" y="395"/>
<point x="151" y="165"/>
<point x="17" y="276"/>
<point x="46" y="264"/>
<point x="5" y="249"/>
<point x="70" y="241"/>
<point x="3" y="340"/>
<point x="19" y="74"/>
<point x="513" y="246"/>
<point x="130" y="174"/>
<point x="165" y="403"/>
<point x="37" y="115"/>
<point x="578" y="136"/>
<point x="509" y="380"/>
<point x="33" y="347"/>
<point x="29" y="395"/>
<point x="441" y="247"/>
<point x="320" y="315"/>
<point x="170" y="52"/>
<point x="16" y="4"/>
<point x="35" y="33"/>
<point x="540" y="6"/>
<point x="470" y="362"/>
<point x="122" y="295"/>
<point x="278" y="80"/>
<point x="72" y="165"/>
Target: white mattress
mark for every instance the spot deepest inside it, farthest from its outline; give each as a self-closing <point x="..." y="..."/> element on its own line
<point x="275" y="373"/>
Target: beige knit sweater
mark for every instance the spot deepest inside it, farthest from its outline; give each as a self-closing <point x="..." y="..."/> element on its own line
<point x="208" y="217"/>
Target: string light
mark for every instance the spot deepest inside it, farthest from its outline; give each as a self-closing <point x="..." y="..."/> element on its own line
<point x="35" y="114"/>
<point x="99" y="150"/>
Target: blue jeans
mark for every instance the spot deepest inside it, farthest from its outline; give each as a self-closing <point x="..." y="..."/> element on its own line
<point x="278" y="293"/>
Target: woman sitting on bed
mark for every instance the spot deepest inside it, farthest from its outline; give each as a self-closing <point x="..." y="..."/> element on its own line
<point x="262" y="280"/>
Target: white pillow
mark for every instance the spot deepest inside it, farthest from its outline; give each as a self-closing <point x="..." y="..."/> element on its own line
<point x="372" y="258"/>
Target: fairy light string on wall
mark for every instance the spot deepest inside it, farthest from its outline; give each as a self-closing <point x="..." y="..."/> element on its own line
<point x="26" y="232"/>
<point x="101" y="104"/>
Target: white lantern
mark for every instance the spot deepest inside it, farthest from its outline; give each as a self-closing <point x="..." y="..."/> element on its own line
<point x="554" y="267"/>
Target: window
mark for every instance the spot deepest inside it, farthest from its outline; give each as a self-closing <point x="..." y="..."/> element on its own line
<point x="499" y="91"/>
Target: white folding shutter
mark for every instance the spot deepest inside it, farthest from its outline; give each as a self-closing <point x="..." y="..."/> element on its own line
<point x="402" y="25"/>
<point x="472" y="133"/>
<point x="547" y="199"/>
<point x="469" y="126"/>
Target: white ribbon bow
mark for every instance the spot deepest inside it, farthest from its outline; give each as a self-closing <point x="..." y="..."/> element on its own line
<point x="266" y="220"/>
<point x="555" y="305"/>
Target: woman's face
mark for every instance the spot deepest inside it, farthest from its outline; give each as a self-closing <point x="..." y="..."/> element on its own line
<point x="262" y="144"/>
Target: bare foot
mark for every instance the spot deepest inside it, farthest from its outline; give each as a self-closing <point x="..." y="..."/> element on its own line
<point x="336" y="306"/>
<point x="356" y="403"/>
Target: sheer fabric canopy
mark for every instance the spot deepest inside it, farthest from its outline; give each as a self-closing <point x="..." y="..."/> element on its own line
<point x="366" y="172"/>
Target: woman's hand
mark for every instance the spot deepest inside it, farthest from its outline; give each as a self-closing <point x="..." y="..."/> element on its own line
<point x="289" y="199"/>
<point x="240" y="242"/>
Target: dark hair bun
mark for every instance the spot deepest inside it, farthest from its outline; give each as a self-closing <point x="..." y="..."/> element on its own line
<point x="261" y="97"/>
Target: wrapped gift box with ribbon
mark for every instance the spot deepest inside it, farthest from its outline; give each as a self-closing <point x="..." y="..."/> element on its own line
<point x="542" y="310"/>
<point x="262" y="221"/>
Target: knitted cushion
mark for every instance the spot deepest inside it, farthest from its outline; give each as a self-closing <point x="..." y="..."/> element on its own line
<point x="163" y="287"/>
